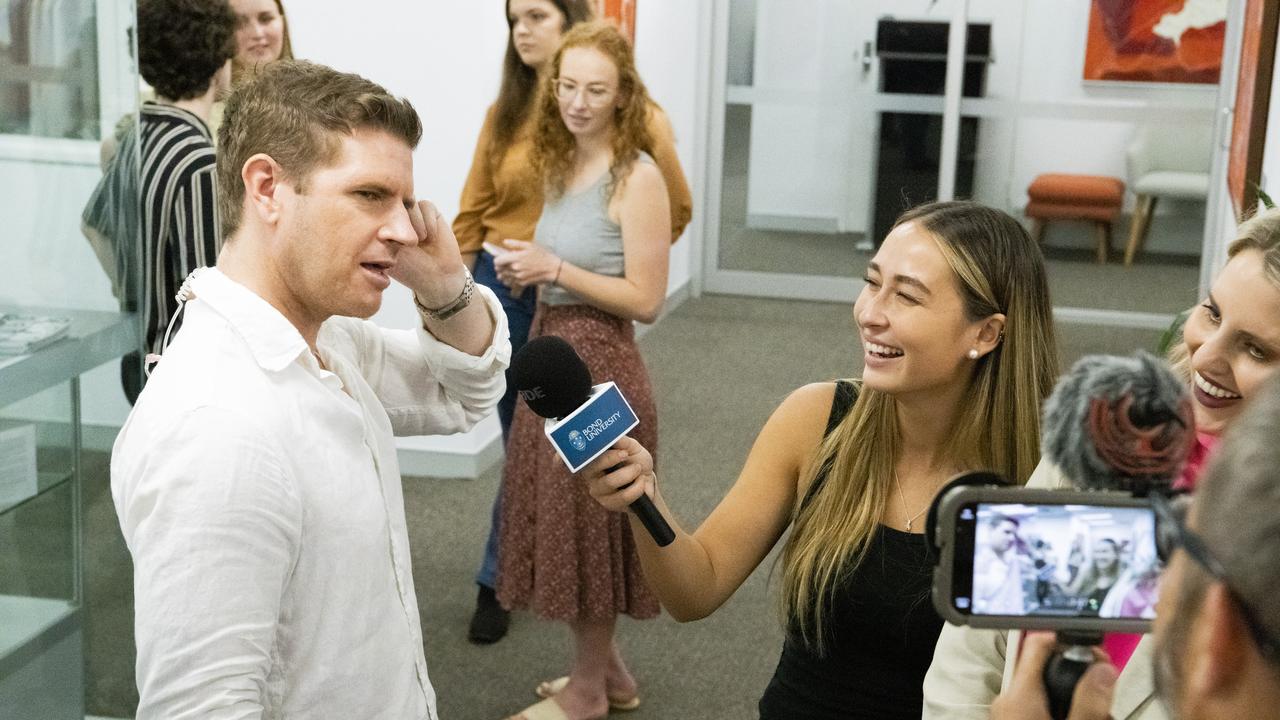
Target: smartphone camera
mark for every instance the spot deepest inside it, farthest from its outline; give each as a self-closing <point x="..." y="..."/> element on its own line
<point x="1018" y="558"/>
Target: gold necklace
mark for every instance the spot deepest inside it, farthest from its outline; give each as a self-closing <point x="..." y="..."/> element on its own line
<point x="903" y="497"/>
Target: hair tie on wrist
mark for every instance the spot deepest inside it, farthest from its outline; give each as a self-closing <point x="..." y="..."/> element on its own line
<point x="556" y="281"/>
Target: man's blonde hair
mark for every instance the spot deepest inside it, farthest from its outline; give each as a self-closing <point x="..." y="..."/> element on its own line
<point x="294" y="111"/>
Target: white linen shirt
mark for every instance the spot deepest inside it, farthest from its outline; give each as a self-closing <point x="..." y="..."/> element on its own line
<point x="260" y="497"/>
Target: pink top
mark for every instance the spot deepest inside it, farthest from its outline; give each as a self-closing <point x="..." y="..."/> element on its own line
<point x="1120" y="646"/>
<point x="1199" y="455"/>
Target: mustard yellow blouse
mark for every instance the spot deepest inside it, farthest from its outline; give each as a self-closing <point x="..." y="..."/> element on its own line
<point x="503" y="198"/>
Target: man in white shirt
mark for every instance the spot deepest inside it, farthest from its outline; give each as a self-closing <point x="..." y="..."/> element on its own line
<point x="997" y="571"/>
<point x="256" y="480"/>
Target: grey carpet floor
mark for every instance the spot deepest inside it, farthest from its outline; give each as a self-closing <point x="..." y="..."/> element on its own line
<point x="719" y="365"/>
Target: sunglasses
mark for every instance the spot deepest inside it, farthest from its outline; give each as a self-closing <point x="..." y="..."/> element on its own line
<point x="1172" y="533"/>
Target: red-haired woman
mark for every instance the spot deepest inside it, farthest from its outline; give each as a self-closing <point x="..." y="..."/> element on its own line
<point x="503" y="198"/>
<point x="600" y="262"/>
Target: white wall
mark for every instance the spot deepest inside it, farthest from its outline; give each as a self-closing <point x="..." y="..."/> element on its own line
<point x="670" y="40"/>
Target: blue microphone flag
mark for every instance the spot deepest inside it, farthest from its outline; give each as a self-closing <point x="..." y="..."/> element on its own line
<point x="594" y="427"/>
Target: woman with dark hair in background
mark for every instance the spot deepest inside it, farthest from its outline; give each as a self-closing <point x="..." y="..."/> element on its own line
<point x="958" y="353"/>
<point x="502" y="200"/>
<point x="600" y="263"/>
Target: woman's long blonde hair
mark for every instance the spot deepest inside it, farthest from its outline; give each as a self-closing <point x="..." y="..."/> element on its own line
<point x="553" y="145"/>
<point x="1000" y="270"/>
<point x="1089" y="578"/>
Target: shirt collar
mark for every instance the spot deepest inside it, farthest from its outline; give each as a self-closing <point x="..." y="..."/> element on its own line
<point x="273" y="340"/>
<point x="158" y="109"/>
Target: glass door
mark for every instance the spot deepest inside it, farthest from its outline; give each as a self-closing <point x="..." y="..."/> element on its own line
<point x="1103" y="151"/>
<point x="832" y="125"/>
<point x="839" y="114"/>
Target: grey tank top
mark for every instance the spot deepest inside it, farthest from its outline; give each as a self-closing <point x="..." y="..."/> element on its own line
<point x="577" y="228"/>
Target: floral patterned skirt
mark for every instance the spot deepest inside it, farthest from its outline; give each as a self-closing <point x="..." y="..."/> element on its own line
<point x="560" y="554"/>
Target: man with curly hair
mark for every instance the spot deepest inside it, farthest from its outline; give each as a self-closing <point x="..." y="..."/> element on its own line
<point x="185" y="49"/>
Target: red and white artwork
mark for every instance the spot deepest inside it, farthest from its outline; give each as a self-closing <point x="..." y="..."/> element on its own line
<point x="622" y="12"/>
<point x="1171" y="41"/>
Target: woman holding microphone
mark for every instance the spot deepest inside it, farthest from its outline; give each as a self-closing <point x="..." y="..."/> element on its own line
<point x="958" y="353"/>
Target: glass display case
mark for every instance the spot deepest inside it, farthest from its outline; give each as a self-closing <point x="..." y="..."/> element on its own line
<point x="41" y="589"/>
<point x="67" y="77"/>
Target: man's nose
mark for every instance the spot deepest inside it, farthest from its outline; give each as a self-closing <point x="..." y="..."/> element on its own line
<point x="399" y="229"/>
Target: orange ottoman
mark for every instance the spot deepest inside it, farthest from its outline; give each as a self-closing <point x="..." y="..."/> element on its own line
<point x="1095" y="198"/>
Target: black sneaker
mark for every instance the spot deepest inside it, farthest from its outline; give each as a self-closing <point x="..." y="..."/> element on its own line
<point x="490" y="621"/>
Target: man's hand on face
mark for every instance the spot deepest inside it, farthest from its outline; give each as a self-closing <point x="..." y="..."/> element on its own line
<point x="433" y="269"/>
<point x="1025" y="699"/>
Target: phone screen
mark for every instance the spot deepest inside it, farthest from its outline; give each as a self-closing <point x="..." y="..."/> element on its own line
<point x="1066" y="561"/>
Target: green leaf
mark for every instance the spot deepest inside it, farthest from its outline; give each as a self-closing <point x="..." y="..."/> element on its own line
<point x="1267" y="202"/>
<point x="1172" y="334"/>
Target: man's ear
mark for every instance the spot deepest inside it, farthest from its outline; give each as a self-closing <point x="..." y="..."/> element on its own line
<point x="262" y="178"/>
<point x="1220" y="642"/>
<point x="990" y="334"/>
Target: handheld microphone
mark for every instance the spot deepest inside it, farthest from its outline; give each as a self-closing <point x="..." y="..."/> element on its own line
<point x="1119" y="423"/>
<point x="582" y="421"/>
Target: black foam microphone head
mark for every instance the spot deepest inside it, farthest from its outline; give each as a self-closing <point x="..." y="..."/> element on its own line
<point x="548" y="373"/>
<point x="1119" y="423"/>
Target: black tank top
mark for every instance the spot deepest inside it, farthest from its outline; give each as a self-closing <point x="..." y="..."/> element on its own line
<point x="882" y="631"/>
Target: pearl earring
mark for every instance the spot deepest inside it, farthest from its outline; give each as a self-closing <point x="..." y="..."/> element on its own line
<point x="973" y="353"/>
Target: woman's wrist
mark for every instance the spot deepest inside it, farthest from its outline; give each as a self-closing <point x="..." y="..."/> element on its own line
<point x="555" y="280"/>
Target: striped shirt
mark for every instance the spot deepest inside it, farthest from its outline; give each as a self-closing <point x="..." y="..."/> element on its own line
<point x="180" y="228"/>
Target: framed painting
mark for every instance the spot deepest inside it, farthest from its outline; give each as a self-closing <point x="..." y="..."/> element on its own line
<point x="622" y="12"/>
<point x="1253" y="97"/>
<point x="1164" y="41"/>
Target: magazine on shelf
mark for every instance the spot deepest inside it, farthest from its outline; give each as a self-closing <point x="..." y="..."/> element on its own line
<point x="19" y="479"/>
<point x="21" y="334"/>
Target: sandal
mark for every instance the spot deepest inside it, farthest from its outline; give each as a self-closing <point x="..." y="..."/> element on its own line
<point x="551" y="687"/>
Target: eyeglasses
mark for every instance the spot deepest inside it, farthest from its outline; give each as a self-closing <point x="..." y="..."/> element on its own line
<point x="595" y="96"/>
<point x="1172" y="533"/>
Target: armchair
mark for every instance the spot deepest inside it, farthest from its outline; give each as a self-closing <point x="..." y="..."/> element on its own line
<point x="1165" y="161"/>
